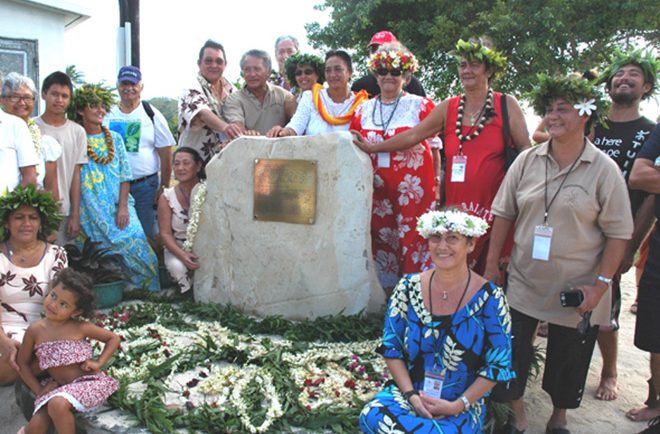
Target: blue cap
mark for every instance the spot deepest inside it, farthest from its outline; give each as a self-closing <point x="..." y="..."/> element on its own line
<point x="129" y="73"/>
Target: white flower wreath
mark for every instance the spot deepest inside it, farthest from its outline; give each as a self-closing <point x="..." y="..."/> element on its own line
<point x="195" y="211"/>
<point x="586" y="107"/>
<point x="441" y="222"/>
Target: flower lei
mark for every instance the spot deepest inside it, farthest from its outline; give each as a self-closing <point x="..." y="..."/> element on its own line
<point x="486" y="112"/>
<point x="35" y="133"/>
<point x="274" y="411"/>
<point x="195" y="211"/>
<point x="393" y="59"/>
<point x="91" y="153"/>
<point x="441" y="222"/>
<point x="339" y="120"/>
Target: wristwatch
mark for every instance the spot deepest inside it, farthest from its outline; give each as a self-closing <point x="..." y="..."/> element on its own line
<point x="409" y="394"/>
<point x="466" y="402"/>
<point x="605" y="280"/>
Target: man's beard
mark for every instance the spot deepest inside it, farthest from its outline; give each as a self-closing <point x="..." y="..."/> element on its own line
<point x="625" y="99"/>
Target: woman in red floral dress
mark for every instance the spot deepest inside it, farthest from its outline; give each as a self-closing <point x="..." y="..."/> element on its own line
<point x="471" y="126"/>
<point x="404" y="184"/>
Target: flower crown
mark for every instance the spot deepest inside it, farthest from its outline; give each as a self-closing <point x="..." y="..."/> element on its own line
<point x="292" y="63"/>
<point x="441" y="222"/>
<point x="89" y="95"/>
<point x="393" y="59"/>
<point x="646" y="60"/>
<point x="471" y="50"/>
<point x="575" y="90"/>
<point x="42" y="201"/>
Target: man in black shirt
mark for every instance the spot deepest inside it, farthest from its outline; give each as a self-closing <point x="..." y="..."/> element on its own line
<point x="369" y="83"/>
<point x="629" y="79"/>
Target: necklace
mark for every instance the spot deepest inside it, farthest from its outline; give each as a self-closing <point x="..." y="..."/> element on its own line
<point x="384" y="124"/>
<point x="444" y="294"/>
<point x="23" y="256"/>
<point x="483" y="115"/>
<point x="91" y="153"/>
<point x="35" y="133"/>
<point x="336" y="120"/>
<point x="186" y="197"/>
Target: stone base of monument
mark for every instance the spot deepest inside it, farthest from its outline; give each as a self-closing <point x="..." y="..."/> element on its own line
<point x="296" y="270"/>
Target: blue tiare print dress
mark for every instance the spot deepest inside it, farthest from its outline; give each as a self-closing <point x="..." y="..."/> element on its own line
<point x="99" y="199"/>
<point x="474" y="342"/>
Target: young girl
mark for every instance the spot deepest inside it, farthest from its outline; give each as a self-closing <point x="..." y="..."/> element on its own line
<point x="60" y="343"/>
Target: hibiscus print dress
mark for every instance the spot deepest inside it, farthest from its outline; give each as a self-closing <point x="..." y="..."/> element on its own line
<point x="404" y="186"/>
<point x="474" y="342"/>
<point x="22" y="290"/>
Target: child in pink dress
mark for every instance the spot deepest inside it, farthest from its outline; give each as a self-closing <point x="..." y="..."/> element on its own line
<point x="61" y="344"/>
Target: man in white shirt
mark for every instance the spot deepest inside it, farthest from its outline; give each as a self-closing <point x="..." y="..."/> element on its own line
<point x="56" y="91"/>
<point x="148" y="142"/>
<point x="18" y="158"/>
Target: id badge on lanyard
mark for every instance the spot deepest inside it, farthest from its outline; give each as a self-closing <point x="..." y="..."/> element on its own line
<point x="433" y="381"/>
<point x="542" y="242"/>
<point x="458" y="167"/>
<point x="384" y="160"/>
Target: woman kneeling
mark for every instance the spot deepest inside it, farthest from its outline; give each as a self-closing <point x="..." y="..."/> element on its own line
<point x="446" y="338"/>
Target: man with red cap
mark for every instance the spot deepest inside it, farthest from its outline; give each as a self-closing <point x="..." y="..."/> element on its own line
<point x="369" y="83"/>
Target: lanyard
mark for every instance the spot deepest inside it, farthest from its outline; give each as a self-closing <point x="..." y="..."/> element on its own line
<point x="435" y="339"/>
<point x="545" y="196"/>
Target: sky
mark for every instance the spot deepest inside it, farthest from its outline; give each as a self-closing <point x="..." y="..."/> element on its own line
<point x="171" y="35"/>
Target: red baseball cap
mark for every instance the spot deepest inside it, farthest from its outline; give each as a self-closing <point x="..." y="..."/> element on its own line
<point x="382" y="37"/>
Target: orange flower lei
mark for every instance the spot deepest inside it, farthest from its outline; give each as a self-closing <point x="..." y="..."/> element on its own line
<point x="339" y="120"/>
<point x="111" y="149"/>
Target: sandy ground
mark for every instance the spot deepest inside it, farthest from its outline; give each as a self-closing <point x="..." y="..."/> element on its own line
<point x="593" y="417"/>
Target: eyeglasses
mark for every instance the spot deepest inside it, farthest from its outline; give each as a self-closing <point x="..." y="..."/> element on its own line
<point x="384" y="71"/>
<point x="17" y="98"/>
<point x="308" y="71"/>
<point x="211" y="61"/>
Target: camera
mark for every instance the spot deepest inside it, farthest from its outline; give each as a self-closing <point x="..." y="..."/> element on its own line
<point x="571" y="298"/>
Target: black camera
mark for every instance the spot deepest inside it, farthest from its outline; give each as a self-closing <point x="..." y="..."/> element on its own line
<point x="571" y="298"/>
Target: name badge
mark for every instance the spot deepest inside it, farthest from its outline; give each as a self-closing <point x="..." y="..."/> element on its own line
<point x="542" y="242"/>
<point x="433" y="380"/>
<point x="458" y="165"/>
<point x="384" y="159"/>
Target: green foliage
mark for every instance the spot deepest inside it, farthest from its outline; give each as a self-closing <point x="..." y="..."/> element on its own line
<point x="77" y="77"/>
<point x="536" y="36"/>
<point x="170" y="110"/>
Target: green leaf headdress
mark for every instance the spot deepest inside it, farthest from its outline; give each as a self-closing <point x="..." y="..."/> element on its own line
<point x="646" y="60"/>
<point x="575" y="90"/>
<point x="304" y="59"/>
<point x="89" y="95"/>
<point x="42" y="201"/>
<point x="474" y="50"/>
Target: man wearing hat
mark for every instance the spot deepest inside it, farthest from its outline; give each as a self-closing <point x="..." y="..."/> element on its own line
<point x="369" y="83"/>
<point x="148" y="143"/>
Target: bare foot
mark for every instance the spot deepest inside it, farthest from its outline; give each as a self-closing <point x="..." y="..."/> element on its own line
<point x="607" y="389"/>
<point x="642" y="414"/>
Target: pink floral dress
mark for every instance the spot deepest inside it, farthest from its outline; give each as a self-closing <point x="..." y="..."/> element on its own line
<point x="404" y="186"/>
<point x="22" y="290"/>
<point x="84" y="393"/>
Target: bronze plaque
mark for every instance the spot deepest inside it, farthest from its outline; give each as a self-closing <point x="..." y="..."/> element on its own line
<point x="285" y="191"/>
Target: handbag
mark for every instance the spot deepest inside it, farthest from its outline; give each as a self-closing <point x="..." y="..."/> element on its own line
<point x="510" y="151"/>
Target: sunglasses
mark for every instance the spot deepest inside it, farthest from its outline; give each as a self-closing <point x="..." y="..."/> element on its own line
<point x="308" y="71"/>
<point x="384" y="71"/>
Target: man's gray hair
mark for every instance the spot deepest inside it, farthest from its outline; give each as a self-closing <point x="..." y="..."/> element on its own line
<point x="281" y="39"/>
<point x="13" y="82"/>
<point x="261" y="55"/>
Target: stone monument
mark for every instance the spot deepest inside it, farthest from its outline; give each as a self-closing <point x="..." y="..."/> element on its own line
<point x="285" y="229"/>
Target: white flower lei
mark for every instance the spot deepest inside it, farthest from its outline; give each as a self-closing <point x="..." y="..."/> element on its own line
<point x="35" y="133"/>
<point x="441" y="222"/>
<point x="195" y="211"/>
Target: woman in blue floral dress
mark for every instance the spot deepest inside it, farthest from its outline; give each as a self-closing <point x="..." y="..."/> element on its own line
<point x="107" y="213"/>
<point x="446" y="338"/>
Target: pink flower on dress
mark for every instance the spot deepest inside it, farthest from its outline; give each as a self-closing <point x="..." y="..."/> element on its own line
<point x="410" y="189"/>
<point x="412" y="158"/>
<point x="388" y="262"/>
<point x="383" y="208"/>
<point x="32" y="286"/>
<point x="6" y="278"/>
<point x="389" y="237"/>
